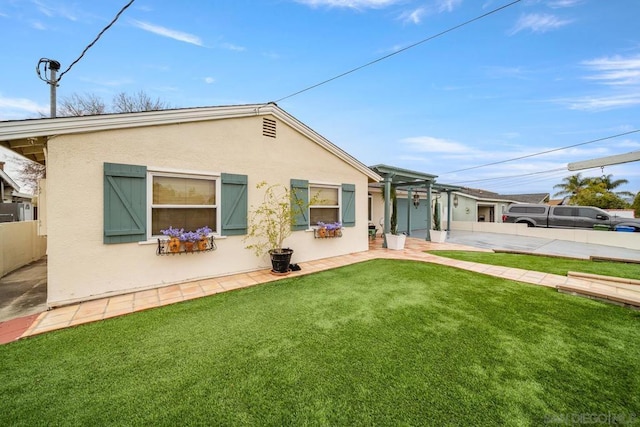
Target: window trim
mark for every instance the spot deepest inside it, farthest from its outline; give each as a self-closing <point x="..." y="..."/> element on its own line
<point x="337" y="187"/>
<point x="178" y="173"/>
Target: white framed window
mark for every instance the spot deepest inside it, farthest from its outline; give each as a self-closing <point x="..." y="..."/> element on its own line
<point x="326" y="201"/>
<point x="182" y="200"/>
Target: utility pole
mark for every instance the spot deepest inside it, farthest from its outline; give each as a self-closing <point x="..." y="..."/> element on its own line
<point x="53" y="66"/>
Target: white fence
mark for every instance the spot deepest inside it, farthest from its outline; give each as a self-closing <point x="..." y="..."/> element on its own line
<point x="608" y="238"/>
<point x="20" y="245"/>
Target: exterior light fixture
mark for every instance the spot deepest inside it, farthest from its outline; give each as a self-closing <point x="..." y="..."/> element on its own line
<point x="455" y="201"/>
<point x="416" y="200"/>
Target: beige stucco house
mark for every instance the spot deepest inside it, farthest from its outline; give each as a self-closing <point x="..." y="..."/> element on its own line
<point x="114" y="181"/>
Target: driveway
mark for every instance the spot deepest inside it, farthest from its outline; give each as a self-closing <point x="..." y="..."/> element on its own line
<point x="536" y="245"/>
<point x="24" y="291"/>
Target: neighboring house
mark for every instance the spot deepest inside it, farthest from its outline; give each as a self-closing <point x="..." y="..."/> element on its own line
<point x="14" y="205"/>
<point x="415" y="204"/>
<point x="471" y="204"/>
<point x="114" y="181"/>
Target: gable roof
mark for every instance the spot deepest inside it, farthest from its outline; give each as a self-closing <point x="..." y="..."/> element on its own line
<point x="29" y="137"/>
<point x="477" y="193"/>
<point x="528" y="198"/>
<point x="8" y="181"/>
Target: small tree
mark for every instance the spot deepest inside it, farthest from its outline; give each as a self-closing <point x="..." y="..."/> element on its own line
<point x="272" y="221"/>
<point x="123" y="103"/>
<point x="596" y="195"/>
<point x="81" y="105"/>
<point x="30" y="172"/>
<point x="91" y="104"/>
<point x="636" y="205"/>
<point x="436" y="215"/>
<point x="394" y="211"/>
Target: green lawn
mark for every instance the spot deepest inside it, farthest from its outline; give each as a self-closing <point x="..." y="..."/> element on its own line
<point x="378" y="343"/>
<point x="547" y="264"/>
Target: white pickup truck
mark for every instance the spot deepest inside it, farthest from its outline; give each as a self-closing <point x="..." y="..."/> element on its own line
<point x="564" y="216"/>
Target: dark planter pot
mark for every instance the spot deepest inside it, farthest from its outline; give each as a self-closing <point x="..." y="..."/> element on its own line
<point x="280" y="260"/>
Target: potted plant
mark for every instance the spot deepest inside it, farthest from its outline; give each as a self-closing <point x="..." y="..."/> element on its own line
<point x="437" y="234"/>
<point x="189" y="239"/>
<point x="394" y="240"/>
<point x="271" y="222"/>
<point x="203" y="234"/>
<point x="174" y="238"/>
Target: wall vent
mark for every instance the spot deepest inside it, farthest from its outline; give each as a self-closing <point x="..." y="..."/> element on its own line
<point x="269" y="128"/>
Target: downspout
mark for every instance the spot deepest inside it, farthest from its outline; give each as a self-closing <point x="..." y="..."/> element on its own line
<point x="429" y="212"/>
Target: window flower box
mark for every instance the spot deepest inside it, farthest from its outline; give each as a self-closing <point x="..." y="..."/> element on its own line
<point x="329" y="230"/>
<point x="181" y="242"/>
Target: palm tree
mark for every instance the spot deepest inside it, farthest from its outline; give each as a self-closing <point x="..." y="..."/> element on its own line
<point x="572" y="185"/>
<point x="609" y="185"/>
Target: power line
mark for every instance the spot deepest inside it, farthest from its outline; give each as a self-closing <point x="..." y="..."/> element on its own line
<point x="511" y="176"/>
<point x="542" y="152"/>
<point x="96" y="39"/>
<point x="375" y="61"/>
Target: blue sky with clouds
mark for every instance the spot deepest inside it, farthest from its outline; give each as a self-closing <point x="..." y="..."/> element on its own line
<point x="535" y="76"/>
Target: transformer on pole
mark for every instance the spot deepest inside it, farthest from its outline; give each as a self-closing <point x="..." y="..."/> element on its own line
<point x="53" y="67"/>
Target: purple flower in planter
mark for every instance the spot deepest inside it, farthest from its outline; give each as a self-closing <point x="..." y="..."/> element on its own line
<point x="173" y="232"/>
<point x="204" y="231"/>
<point x="190" y="236"/>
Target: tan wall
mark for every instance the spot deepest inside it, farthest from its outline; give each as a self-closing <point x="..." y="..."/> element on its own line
<point x="82" y="267"/>
<point x="20" y="245"/>
<point x="608" y="238"/>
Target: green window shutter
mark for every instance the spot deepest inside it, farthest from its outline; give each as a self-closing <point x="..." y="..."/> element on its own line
<point x="300" y="203"/>
<point x="125" y="203"/>
<point x="234" y="202"/>
<point x="348" y="205"/>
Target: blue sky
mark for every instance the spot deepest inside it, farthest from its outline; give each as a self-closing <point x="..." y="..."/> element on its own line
<point x="535" y="76"/>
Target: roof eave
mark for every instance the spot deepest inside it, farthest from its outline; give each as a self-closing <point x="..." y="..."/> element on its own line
<point x="24" y="129"/>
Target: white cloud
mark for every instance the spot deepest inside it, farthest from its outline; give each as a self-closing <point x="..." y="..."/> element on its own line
<point x="501" y="72"/>
<point x="413" y="16"/>
<point x="620" y="74"/>
<point x="538" y="23"/>
<point x="416" y="16"/>
<point x="109" y="83"/>
<point x="447" y="5"/>
<point x="53" y="11"/>
<point x="209" y="80"/>
<point x="167" y="32"/>
<point x="37" y="25"/>
<point x="593" y="103"/>
<point x="231" y="46"/>
<point x="628" y="143"/>
<point x="19" y="108"/>
<point x="353" y="4"/>
<point x="558" y="4"/>
<point x="616" y="70"/>
<point x="429" y="144"/>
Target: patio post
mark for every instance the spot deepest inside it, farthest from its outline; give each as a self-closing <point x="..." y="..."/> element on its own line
<point x="429" y="212"/>
<point x="409" y="202"/>
<point x="387" y="208"/>
<point x="448" y="211"/>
